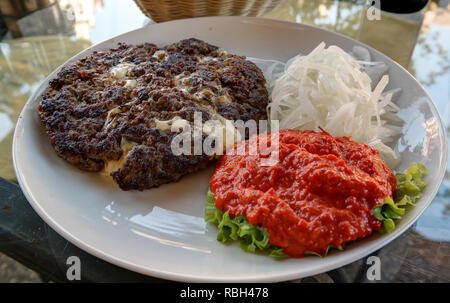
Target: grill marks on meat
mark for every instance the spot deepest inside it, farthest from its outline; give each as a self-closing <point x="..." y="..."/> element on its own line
<point x="88" y="112"/>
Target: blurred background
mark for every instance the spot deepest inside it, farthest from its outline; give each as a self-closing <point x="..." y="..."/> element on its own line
<point x="36" y="36"/>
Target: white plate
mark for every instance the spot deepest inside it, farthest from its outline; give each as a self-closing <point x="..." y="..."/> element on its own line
<point x="160" y="232"/>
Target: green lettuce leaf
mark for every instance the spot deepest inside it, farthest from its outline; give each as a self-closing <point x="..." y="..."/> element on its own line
<point x="251" y="238"/>
<point x="277" y="252"/>
<point x="212" y="214"/>
<point x="329" y="248"/>
<point x="409" y="189"/>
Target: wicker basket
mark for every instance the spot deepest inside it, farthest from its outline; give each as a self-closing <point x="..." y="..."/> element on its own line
<point x="165" y="10"/>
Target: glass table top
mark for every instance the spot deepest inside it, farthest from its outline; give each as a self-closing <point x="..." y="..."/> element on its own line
<point x="36" y="44"/>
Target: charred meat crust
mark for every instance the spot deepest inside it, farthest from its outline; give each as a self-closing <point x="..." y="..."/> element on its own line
<point x="87" y="112"/>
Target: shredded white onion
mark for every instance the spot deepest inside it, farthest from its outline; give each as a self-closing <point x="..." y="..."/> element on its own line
<point x="331" y="89"/>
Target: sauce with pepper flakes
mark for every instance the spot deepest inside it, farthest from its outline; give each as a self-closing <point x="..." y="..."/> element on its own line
<point x="320" y="192"/>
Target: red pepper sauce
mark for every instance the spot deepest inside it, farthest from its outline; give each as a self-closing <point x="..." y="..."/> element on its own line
<point x="320" y="192"/>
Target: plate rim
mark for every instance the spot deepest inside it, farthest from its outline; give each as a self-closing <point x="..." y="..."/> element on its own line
<point x="199" y="278"/>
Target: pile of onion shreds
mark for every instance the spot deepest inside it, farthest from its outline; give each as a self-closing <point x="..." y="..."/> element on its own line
<point x="328" y="88"/>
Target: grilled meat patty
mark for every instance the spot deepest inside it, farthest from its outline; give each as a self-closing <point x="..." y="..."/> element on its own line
<point x="102" y="112"/>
